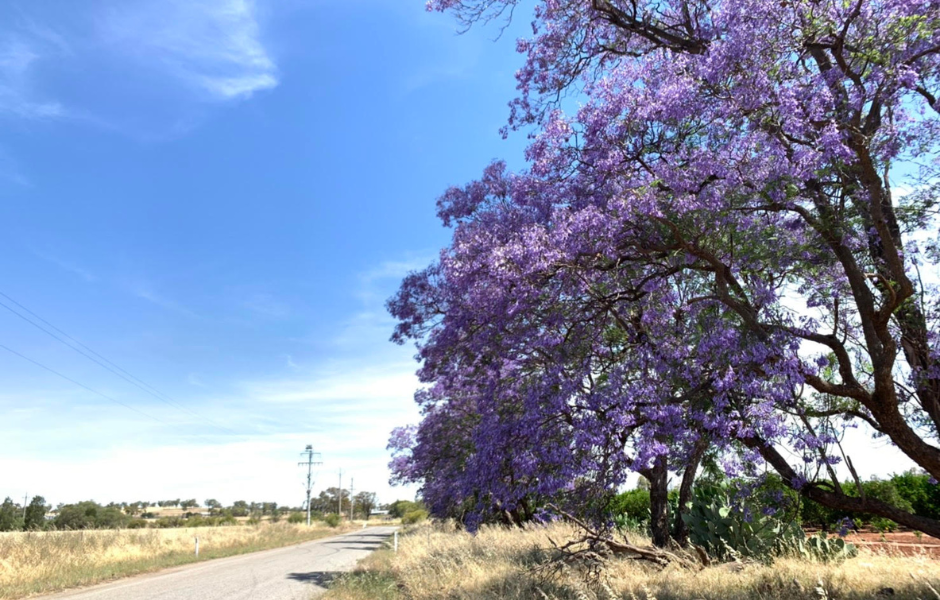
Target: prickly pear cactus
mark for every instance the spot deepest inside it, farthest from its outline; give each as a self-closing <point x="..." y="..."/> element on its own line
<point x="820" y="548"/>
<point x="729" y="534"/>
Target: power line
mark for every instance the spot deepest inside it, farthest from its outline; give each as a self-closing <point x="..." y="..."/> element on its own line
<point x="94" y="391"/>
<point x="82" y="385"/>
<point x="129" y="377"/>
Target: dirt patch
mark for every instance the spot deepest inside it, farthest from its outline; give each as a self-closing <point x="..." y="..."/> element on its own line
<point x="899" y="543"/>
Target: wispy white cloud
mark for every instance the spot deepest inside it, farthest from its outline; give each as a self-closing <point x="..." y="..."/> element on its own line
<point x="396" y="269"/>
<point x="158" y="62"/>
<point x="146" y="292"/>
<point x="260" y="469"/>
<point x="67" y="265"/>
<point x="370" y="387"/>
<point x="214" y="45"/>
<point x="19" y="55"/>
<point x="11" y="171"/>
<point x="375" y="283"/>
<point x="45" y="34"/>
<point x="291" y="363"/>
<point x="344" y="398"/>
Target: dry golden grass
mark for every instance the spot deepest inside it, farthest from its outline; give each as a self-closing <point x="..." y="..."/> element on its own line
<point x="498" y="564"/>
<point x="43" y="562"/>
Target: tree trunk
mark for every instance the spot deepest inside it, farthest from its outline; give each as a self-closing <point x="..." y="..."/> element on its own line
<point x="680" y="531"/>
<point x="659" y="501"/>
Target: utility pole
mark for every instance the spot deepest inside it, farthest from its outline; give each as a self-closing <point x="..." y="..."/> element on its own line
<point x="352" y="499"/>
<point x="310" y="462"/>
<point x="339" y="495"/>
<point x="25" y="500"/>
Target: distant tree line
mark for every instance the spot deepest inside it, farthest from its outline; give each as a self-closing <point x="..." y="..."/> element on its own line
<point x="88" y="514"/>
<point x="330" y="502"/>
<point x="14" y="517"/>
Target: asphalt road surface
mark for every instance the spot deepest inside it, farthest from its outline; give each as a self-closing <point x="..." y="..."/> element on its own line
<point x="294" y="573"/>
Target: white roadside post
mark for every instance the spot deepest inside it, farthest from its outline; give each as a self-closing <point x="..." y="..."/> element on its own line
<point x="396" y="540"/>
<point x="197" y="546"/>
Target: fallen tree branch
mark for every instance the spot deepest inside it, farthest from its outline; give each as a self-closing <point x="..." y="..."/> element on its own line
<point x="594" y="538"/>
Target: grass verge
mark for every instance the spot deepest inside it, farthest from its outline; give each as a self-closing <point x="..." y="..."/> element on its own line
<point x="45" y="562"/>
<point x="498" y="564"/>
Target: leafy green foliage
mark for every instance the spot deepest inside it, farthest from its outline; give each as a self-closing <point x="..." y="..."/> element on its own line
<point x="632" y="506"/>
<point x="240" y="509"/>
<point x="332" y="519"/>
<point x="35" y="517"/>
<point x="365" y="503"/>
<point x="414" y="516"/>
<point x="626" y="524"/>
<point x="90" y="515"/>
<point x="332" y="499"/>
<point x="916" y="488"/>
<point x="885" y="490"/>
<point x="10" y="516"/>
<point x="399" y="508"/>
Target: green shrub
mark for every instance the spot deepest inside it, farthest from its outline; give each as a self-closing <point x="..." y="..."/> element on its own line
<point x="170" y="522"/>
<point x="916" y="489"/>
<point x="627" y="524"/>
<point x="399" y="508"/>
<point x="414" y="516"/>
<point x="632" y="506"/>
<point x="332" y="519"/>
<point x="90" y="515"/>
<point x="297" y="518"/>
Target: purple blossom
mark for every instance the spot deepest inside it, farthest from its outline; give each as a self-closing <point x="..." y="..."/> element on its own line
<point x="631" y="290"/>
<point x="844" y="526"/>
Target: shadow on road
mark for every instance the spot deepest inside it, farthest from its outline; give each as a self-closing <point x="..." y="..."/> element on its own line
<point x="364" y="541"/>
<point x="320" y="578"/>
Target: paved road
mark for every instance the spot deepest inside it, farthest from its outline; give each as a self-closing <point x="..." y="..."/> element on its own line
<point x="293" y="573"/>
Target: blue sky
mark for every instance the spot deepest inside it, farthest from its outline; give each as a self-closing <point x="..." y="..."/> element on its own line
<point x="218" y="196"/>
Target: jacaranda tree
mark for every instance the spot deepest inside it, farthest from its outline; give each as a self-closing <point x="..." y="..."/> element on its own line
<point x="711" y="247"/>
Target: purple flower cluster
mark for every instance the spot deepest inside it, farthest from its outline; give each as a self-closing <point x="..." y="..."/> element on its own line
<point x="637" y="288"/>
